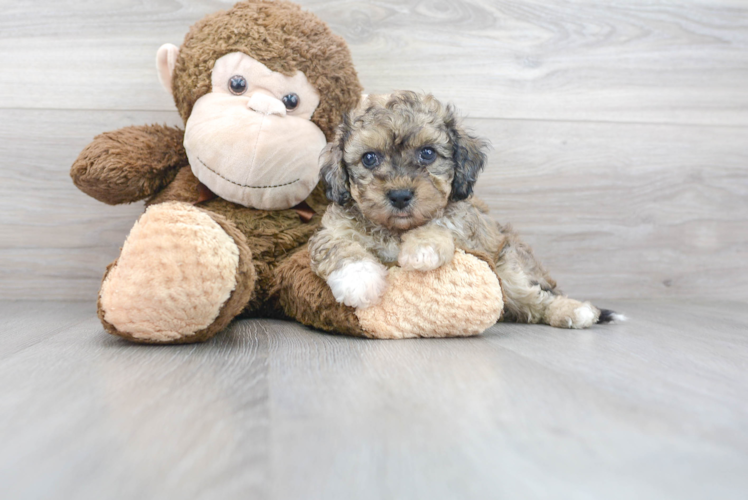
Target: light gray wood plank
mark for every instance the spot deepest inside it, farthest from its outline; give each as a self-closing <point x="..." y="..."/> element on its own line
<point x="56" y="241"/>
<point x="25" y="324"/>
<point x="660" y="62"/>
<point x="87" y="415"/>
<point x="649" y="409"/>
<point x="653" y="408"/>
<point x="613" y="210"/>
<point x="625" y="210"/>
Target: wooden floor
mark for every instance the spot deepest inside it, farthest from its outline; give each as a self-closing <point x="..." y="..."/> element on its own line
<point x="653" y="408"/>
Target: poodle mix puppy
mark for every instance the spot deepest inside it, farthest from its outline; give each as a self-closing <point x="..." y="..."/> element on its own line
<point x="401" y="172"/>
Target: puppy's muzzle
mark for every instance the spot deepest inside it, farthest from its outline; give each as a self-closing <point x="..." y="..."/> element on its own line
<point x="400" y="198"/>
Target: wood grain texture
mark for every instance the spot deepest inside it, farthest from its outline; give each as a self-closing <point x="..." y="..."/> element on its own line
<point x="618" y="129"/>
<point x="54" y="240"/>
<point x="131" y="421"/>
<point x="672" y="62"/>
<point x="655" y="408"/>
<point x="625" y="210"/>
<point x="614" y="210"/>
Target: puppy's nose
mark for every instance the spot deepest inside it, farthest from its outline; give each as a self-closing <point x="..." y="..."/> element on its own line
<point x="400" y="198"/>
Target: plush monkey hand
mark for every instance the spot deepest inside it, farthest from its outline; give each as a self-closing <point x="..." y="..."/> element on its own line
<point x="459" y="299"/>
<point x="129" y="164"/>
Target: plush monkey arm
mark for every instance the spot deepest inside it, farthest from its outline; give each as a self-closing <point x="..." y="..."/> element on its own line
<point x="129" y="164"/>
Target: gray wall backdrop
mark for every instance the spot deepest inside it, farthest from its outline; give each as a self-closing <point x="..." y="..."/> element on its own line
<point x="619" y="130"/>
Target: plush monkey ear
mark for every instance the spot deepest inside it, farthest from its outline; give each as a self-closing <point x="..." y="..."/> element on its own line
<point x="469" y="157"/>
<point x="333" y="171"/>
<point x="166" y="60"/>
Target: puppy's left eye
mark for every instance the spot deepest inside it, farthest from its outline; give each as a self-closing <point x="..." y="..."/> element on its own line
<point x="427" y="155"/>
<point x="370" y="159"/>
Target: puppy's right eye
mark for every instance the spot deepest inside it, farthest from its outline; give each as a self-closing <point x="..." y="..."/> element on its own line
<point x="370" y="160"/>
<point x="427" y="155"/>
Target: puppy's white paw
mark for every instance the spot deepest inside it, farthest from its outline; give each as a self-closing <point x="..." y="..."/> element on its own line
<point x="420" y="258"/>
<point x="359" y="284"/>
<point x="584" y="316"/>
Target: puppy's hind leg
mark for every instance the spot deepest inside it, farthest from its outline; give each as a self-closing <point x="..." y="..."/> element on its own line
<point x="524" y="300"/>
<point x="528" y="302"/>
<point x="563" y="312"/>
<point x="531" y="295"/>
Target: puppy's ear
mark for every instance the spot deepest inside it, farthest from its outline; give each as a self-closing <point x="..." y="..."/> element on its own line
<point x="469" y="157"/>
<point x="332" y="170"/>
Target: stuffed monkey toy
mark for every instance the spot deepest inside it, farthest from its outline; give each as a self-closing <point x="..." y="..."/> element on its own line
<point x="232" y="200"/>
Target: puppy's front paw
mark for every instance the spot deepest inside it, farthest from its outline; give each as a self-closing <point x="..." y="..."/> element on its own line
<point x="359" y="284"/>
<point x="424" y="257"/>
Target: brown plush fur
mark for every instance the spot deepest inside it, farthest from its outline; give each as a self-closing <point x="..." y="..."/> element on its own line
<point x="129" y="164"/>
<point x="284" y="38"/>
<point x="304" y="296"/>
<point x="270" y="235"/>
<point x="150" y="162"/>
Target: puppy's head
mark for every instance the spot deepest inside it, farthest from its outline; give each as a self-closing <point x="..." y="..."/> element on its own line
<point x="402" y="158"/>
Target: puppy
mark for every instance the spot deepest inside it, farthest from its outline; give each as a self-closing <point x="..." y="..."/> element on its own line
<point x="400" y="174"/>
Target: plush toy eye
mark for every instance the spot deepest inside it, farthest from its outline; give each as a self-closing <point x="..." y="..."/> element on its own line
<point x="237" y="84"/>
<point x="370" y="159"/>
<point x="427" y="155"/>
<point x="291" y="101"/>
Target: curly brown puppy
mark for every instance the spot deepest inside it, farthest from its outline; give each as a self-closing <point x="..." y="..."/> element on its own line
<point x="401" y="172"/>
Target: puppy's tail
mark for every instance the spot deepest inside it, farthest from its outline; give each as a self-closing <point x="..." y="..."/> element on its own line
<point x="607" y="316"/>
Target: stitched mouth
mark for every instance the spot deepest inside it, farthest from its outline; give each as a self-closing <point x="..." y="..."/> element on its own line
<point x="246" y="185"/>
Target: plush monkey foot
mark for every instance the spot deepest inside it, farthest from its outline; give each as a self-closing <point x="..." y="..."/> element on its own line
<point x="460" y="299"/>
<point x="182" y="276"/>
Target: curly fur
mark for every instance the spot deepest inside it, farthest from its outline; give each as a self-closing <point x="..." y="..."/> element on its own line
<point x="366" y="224"/>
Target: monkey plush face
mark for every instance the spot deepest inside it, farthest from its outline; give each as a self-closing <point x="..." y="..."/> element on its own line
<point x="250" y="140"/>
<point x="260" y="87"/>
